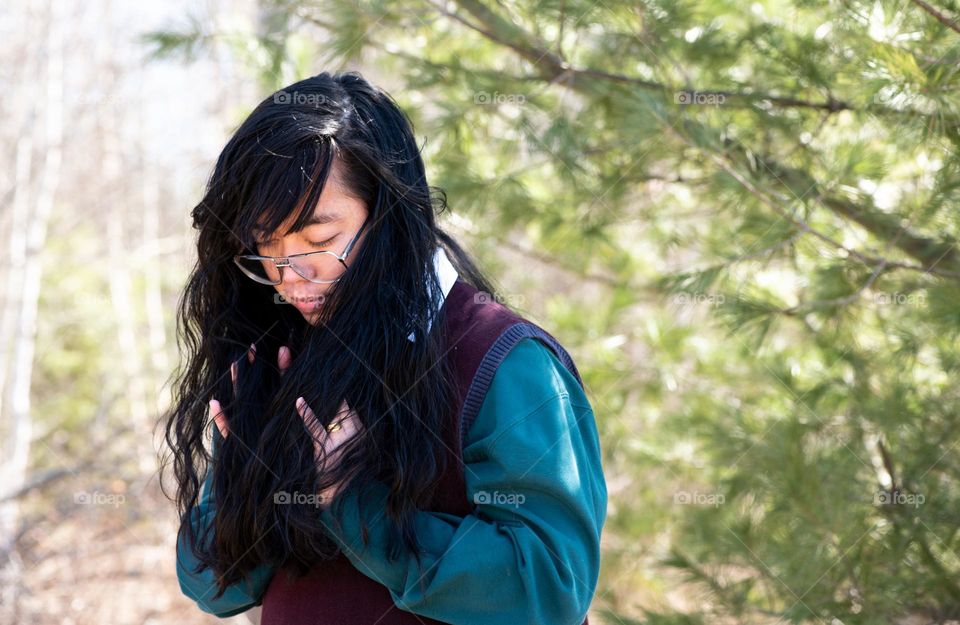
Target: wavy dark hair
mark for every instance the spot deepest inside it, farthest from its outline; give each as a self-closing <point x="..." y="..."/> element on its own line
<point x="274" y="167"/>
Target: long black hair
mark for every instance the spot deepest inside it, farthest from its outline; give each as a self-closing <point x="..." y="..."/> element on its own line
<point x="273" y="168"/>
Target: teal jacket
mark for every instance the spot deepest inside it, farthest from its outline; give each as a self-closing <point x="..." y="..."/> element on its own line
<point x="528" y="553"/>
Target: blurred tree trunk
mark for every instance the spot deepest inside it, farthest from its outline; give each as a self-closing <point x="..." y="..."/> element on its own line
<point x="153" y="251"/>
<point x="27" y="239"/>
<point x="121" y="263"/>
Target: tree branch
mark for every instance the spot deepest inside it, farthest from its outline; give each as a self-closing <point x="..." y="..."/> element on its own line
<point x="943" y="19"/>
<point x="803" y="225"/>
<point x="551" y="67"/>
<point x="929" y="252"/>
<point x="886" y="227"/>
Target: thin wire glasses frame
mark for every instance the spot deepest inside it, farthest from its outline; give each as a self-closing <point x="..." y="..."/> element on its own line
<point x="285" y="261"/>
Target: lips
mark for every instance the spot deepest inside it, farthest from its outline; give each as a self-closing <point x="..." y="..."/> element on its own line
<point x="306" y="304"/>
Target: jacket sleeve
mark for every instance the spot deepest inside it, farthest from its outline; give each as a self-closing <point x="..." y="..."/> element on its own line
<point x="201" y="587"/>
<point x="529" y="553"/>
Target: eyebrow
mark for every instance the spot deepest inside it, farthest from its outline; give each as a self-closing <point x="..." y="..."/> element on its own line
<point x="317" y="219"/>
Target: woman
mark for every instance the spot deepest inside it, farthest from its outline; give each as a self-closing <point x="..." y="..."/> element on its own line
<point x="390" y="443"/>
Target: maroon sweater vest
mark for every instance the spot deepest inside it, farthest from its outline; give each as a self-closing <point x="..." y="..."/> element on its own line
<point x="477" y="335"/>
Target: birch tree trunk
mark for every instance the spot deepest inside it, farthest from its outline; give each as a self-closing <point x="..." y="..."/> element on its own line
<point x="121" y="263"/>
<point x="28" y="237"/>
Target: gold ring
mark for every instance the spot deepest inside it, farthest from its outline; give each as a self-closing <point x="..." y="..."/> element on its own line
<point x="333" y="427"/>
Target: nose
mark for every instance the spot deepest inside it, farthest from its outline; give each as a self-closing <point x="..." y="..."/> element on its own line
<point x="294" y="279"/>
<point x="282" y="251"/>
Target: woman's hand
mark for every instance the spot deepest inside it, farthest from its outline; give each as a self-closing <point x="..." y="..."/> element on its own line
<point x="328" y="441"/>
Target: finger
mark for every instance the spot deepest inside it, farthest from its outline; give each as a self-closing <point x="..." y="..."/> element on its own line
<point x="337" y="425"/>
<point x="283" y="358"/>
<point x="351" y="422"/>
<point x="251" y="353"/>
<point x="310" y="420"/>
<point x="327" y="444"/>
<point x="350" y="427"/>
<point x="233" y="377"/>
<point x="216" y="413"/>
<point x="347" y="426"/>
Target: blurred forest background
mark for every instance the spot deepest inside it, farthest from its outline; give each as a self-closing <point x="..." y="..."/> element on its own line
<point x="740" y="218"/>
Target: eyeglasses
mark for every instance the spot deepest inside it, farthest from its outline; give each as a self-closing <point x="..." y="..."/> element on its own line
<point x="318" y="267"/>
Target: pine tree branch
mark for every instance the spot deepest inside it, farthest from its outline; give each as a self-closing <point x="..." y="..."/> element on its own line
<point x="888" y="465"/>
<point x="775" y="204"/>
<point x="499" y="30"/>
<point x="839" y="301"/>
<point x="555" y="263"/>
<point x="552" y="68"/>
<point x="929" y="252"/>
<point x="943" y="19"/>
<point x="938" y="257"/>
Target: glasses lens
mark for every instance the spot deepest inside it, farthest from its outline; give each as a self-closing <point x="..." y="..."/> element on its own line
<point x="264" y="271"/>
<point x="321" y="267"/>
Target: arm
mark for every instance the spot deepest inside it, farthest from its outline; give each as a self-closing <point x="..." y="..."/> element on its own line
<point x="201" y="587"/>
<point x="529" y="553"/>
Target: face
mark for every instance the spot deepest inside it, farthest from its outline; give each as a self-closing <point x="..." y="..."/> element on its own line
<point x="338" y="218"/>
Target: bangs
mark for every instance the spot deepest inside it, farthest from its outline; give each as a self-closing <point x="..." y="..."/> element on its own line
<point x="281" y="185"/>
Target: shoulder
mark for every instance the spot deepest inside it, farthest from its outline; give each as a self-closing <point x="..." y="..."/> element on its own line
<point x="533" y="368"/>
<point x="529" y="378"/>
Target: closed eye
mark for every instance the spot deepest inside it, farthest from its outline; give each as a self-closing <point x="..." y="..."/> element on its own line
<point x="313" y="243"/>
<point x="325" y="243"/>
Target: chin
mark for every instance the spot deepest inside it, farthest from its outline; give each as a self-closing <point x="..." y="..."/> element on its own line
<point x="311" y="317"/>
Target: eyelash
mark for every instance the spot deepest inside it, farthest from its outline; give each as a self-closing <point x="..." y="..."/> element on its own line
<point x="320" y="244"/>
<point x="324" y="243"/>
